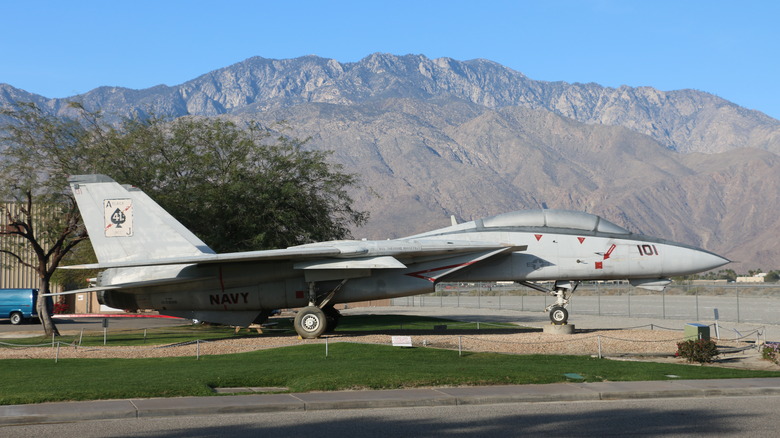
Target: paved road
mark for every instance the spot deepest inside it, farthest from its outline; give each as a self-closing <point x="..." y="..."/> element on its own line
<point x="732" y="308"/>
<point x="75" y="325"/>
<point x="668" y="417"/>
<point x="745" y="330"/>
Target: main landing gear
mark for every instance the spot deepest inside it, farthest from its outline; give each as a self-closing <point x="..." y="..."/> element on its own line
<point x="310" y="322"/>
<point x="562" y="292"/>
<point x="317" y="318"/>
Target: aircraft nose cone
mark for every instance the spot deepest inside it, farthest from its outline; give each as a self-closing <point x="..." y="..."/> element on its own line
<point x="701" y="261"/>
<point x="712" y="261"/>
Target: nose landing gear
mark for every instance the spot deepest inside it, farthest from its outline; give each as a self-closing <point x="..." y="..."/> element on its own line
<point x="562" y="292"/>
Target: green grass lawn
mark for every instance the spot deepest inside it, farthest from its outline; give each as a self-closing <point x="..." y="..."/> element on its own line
<point x="306" y="368"/>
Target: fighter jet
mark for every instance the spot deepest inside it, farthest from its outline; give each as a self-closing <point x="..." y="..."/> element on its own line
<point x="151" y="261"/>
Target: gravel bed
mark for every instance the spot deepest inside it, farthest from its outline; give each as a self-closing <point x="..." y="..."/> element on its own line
<point x="612" y="342"/>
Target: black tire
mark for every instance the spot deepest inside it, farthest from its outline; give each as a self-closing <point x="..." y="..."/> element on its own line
<point x="559" y="315"/>
<point x="310" y="322"/>
<point x="332" y="316"/>
<point x="16" y="318"/>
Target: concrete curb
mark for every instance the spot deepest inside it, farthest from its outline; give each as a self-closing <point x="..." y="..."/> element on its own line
<point x="471" y="395"/>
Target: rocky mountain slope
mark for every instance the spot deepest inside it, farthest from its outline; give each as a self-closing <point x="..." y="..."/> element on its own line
<point x="438" y="137"/>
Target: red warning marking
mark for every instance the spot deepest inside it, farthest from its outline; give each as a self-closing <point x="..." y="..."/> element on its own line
<point x="609" y="252"/>
<point x="581" y="239"/>
<point x="538" y="237"/>
<point x="599" y="265"/>
<point x="421" y="274"/>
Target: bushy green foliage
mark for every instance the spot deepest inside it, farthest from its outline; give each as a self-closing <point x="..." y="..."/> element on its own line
<point x="771" y="351"/>
<point x="772" y="277"/>
<point x="700" y="350"/>
<point x="237" y="187"/>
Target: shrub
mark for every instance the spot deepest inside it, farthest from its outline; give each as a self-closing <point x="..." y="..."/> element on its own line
<point x="700" y="350"/>
<point x="771" y="351"/>
<point x="60" y="308"/>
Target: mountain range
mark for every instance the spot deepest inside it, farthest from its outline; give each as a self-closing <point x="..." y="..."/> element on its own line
<point x="438" y="137"/>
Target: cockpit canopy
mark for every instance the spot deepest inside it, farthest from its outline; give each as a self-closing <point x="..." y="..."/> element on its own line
<point x="554" y="219"/>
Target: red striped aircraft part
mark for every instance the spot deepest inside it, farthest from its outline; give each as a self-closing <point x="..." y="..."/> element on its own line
<point x="538" y="237"/>
<point x="581" y="239"/>
<point x="609" y="252"/>
<point x="419" y="274"/>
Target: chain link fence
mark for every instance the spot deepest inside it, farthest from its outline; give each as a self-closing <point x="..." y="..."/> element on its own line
<point x="735" y="302"/>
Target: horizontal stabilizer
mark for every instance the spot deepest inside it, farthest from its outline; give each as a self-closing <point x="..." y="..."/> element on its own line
<point x="249" y="256"/>
<point x="135" y="284"/>
<point x="237" y="318"/>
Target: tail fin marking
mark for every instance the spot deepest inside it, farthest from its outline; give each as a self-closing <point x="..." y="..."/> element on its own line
<point x="124" y="224"/>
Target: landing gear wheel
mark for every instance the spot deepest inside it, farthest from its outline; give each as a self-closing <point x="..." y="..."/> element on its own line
<point x="559" y="315"/>
<point x="310" y="322"/>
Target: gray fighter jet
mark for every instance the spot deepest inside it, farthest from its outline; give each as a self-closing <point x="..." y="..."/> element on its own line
<point x="151" y="261"/>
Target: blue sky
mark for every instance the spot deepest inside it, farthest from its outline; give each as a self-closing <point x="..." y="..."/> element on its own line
<point x="728" y="48"/>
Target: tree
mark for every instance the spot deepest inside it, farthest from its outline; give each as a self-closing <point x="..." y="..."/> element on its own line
<point x="39" y="213"/>
<point x="236" y="188"/>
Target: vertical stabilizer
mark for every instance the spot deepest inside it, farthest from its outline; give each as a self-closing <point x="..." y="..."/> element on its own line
<point x="125" y="224"/>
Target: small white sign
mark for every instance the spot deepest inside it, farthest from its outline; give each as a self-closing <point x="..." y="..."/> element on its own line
<point x="118" y="214"/>
<point x="402" y="341"/>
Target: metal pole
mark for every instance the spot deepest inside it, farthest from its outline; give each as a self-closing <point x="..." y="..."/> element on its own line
<point x="599" y="338"/>
<point x="197" y="349"/>
<point x="697" y="304"/>
<point x="663" y="304"/>
<point x="598" y="294"/>
<point x="737" y="305"/>
<point x="460" y="346"/>
<point x="522" y="300"/>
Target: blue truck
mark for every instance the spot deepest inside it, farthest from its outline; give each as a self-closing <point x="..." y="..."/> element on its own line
<point x="18" y="305"/>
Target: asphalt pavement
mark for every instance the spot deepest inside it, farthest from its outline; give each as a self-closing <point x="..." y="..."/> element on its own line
<point x="235" y="404"/>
